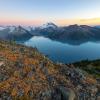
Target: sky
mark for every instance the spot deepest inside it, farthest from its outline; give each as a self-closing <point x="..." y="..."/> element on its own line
<point x="61" y="12"/>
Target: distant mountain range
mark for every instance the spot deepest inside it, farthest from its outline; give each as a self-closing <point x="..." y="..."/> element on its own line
<point x="70" y="33"/>
<point x="73" y="34"/>
<point x="14" y="33"/>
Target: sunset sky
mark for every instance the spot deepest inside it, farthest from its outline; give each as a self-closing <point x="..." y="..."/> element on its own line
<point x="61" y="12"/>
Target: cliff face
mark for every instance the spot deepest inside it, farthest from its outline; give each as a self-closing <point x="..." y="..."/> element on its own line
<point x="25" y="74"/>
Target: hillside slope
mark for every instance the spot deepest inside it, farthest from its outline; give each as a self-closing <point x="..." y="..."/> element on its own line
<point x="25" y="74"/>
<point x="92" y="67"/>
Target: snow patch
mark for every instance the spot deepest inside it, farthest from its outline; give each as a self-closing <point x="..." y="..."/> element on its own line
<point x="48" y="25"/>
<point x="2" y="28"/>
<point x="28" y="28"/>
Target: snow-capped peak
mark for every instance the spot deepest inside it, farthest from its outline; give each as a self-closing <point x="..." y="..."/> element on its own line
<point x="48" y="25"/>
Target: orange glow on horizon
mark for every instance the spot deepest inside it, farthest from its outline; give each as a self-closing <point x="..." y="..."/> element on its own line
<point x="92" y="21"/>
<point x="21" y="21"/>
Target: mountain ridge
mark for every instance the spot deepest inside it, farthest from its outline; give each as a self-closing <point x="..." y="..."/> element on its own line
<point x="14" y="33"/>
<point x="75" y="33"/>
